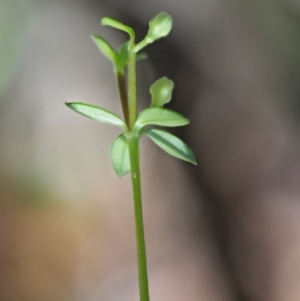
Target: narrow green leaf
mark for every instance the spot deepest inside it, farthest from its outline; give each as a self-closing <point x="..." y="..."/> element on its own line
<point x="159" y="116"/>
<point x="123" y="54"/>
<point x="119" y="156"/>
<point x="96" y="113"/>
<point x="105" y="47"/>
<point x="118" y="25"/>
<point x="141" y="56"/>
<point x="171" y="144"/>
<point x="161" y="92"/>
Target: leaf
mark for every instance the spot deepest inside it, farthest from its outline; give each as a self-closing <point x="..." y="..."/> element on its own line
<point x="123" y="54"/>
<point x="119" y="156"/>
<point x="141" y="56"/>
<point x="118" y="25"/>
<point x="96" y="113"/>
<point x="171" y="144"/>
<point x="159" y="116"/>
<point x="161" y="92"/>
<point x="105" y="47"/>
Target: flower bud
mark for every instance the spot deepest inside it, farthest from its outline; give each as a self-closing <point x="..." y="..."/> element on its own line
<point x="160" y="26"/>
<point x="161" y="92"/>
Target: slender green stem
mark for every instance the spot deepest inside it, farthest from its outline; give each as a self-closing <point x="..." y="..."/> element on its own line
<point x="133" y="144"/>
<point x="134" y="154"/>
<point x="132" y="86"/>
<point x="123" y="96"/>
<point x="142" y="44"/>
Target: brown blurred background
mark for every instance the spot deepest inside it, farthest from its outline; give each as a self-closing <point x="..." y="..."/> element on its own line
<point x="228" y="229"/>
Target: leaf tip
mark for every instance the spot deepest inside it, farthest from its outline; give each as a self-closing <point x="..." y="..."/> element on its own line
<point x="105" y="20"/>
<point x="93" y="37"/>
<point x="192" y="159"/>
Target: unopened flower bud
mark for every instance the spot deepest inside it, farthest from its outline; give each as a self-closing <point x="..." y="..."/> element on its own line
<point x="160" y="26"/>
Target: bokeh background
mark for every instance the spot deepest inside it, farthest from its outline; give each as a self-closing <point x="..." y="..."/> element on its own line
<point x="228" y="229"/>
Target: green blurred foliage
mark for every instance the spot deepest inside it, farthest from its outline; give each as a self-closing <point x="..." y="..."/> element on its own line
<point x="14" y="18"/>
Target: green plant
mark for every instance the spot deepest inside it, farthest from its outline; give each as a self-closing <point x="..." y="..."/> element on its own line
<point x="124" y="153"/>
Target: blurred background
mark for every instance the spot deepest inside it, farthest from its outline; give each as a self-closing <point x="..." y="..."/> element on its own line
<point x="228" y="229"/>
